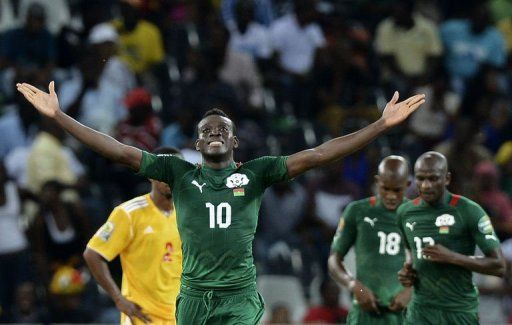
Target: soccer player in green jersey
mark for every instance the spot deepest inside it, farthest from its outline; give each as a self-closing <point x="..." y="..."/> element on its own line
<point x="370" y="226"/>
<point x="217" y="202"/>
<point x="441" y="231"/>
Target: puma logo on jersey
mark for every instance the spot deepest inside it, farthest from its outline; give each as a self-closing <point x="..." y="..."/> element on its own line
<point x="370" y="221"/>
<point x="491" y="237"/>
<point x="410" y="225"/>
<point x="200" y="187"/>
<point x="148" y="230"/>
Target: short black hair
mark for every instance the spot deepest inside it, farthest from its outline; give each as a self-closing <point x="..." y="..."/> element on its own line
<point x="218" y="112"/>
<point x="167" y="150"/>
<point x="215" y="111"/>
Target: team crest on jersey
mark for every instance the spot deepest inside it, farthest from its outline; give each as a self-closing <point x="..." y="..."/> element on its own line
<point x="444" y="222"/>
<point x="105" y="231"/>
<point x="236" y="181"/>
<point x="485" y="225"/>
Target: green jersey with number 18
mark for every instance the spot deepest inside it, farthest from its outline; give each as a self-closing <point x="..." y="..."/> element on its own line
<point x="372" y="230"/>
<point x="459" y="224"/>
<point x="217" y="213"/>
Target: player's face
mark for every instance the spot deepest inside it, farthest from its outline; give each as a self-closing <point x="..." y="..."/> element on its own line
<point x="216" y="139"/>
<point x="391" y="191"/>
<point x="431" y="183"/>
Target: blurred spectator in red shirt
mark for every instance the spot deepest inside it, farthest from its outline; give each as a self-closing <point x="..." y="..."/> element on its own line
<point x="330" y="311"/>
<point x="142" y="127"/>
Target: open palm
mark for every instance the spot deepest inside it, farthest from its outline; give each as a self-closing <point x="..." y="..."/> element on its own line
<point x="46" y="103"/>
<point x="394" y="113"/>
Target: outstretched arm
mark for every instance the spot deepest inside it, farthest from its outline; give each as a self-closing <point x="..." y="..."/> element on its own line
<point x="492" y="263"/>
<point x="337" y="148"/>
<point x="100" y="271"/>
<point x="48" y="105"/>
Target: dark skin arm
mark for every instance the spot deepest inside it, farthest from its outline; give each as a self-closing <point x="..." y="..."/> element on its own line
<point x="363" y="294"/>
<point x="100" y="271"/>
<point x="493" y="263"/>
<point x="48" y="105"/>
<point x="337" y="148"/>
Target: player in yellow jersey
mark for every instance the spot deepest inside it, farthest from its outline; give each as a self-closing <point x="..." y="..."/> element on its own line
<point x="144" y="233"/>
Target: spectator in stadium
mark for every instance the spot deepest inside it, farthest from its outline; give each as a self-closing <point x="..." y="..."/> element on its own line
<point x="263" y="10"/>
<point x="329" y="311"/>
<point x="281" y="199"/>
<point x="369" y="226"/>
<point x="442" y="231"/>
<point x="503" y="159"/>
<point x="142" y="127"/>
<point x="58" y="233"/>
<point x="30" y="46"/>
<point x="296" y="39"/>
<point x="95" y="93"/>
<point x="409" y="47"/>
<point x="150" y="281"/>
<point x="488" y="194"/>
<point x="463" y="151"/>
<point x="27" y="307"/>
<point x="249" y="36"/>
<point x="471" y="44"/>
<point x="15" y="257"/>
<point x="49" y="159"/>
<point x="140" y="41"/>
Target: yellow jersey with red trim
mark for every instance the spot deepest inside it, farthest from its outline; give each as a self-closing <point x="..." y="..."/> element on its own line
<point x="149" y="246"/>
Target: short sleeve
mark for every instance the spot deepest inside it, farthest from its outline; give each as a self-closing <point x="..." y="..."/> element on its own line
<point x="114" y="236"/>
<point x="481" y="228"/>
<point x="271" y="169"/>
<point x="346" y="233"/>
<point x="163" y="167"/>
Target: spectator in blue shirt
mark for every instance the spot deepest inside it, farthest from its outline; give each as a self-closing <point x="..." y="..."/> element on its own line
<point x="471" y="43"/>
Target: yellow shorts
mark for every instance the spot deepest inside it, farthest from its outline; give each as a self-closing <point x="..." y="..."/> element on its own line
<point x="154" y="320"/>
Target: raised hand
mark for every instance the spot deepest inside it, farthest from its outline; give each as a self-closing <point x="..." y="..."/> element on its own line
<point x="365" y="298"/>
<point x="132" y="310"/>
<point x="46" y="103"/>
<point x="395" y="112"/>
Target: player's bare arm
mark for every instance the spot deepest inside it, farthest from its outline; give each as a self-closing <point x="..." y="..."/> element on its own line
<point x="364" y="296"/>
<point x="48" y="105"/>
<point x="492" y="263"/>
<point x="394" y="113"/>
<point x="407" y="275"/>
<point x="101" y="273"/>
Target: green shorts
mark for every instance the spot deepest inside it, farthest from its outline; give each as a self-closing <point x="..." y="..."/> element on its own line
<point x="357" y="316"/>
<point x="226" y="307"/>
<point x="417" y="314"/>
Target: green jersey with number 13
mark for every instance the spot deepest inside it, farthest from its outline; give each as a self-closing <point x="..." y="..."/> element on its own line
<point x="217" y="215"/>
<point x="457" y="223"/>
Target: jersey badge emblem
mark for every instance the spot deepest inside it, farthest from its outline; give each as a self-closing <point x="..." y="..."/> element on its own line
<point x="444" y="222"/>
<point x="236" y="181"/>
<point x="370" y="221"/>
<point x="485" y="225"/>
<point x="105" y="231"/>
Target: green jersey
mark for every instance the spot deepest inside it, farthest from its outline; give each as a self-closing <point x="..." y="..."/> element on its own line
<point x="459" y="224"/>
<point x="373" y="230"/>
<point x="217" y="214"/>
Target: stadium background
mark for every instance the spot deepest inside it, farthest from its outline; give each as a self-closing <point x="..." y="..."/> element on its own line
<point x="302" y="72"/>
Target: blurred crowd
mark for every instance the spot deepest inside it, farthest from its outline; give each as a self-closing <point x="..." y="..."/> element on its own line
<point x="291" y="74"/>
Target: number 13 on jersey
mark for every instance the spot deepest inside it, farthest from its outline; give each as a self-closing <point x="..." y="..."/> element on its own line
<point x="220" y="215"/>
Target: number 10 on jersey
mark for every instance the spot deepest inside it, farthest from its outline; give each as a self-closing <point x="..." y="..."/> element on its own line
<point x="220" y="215"/>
